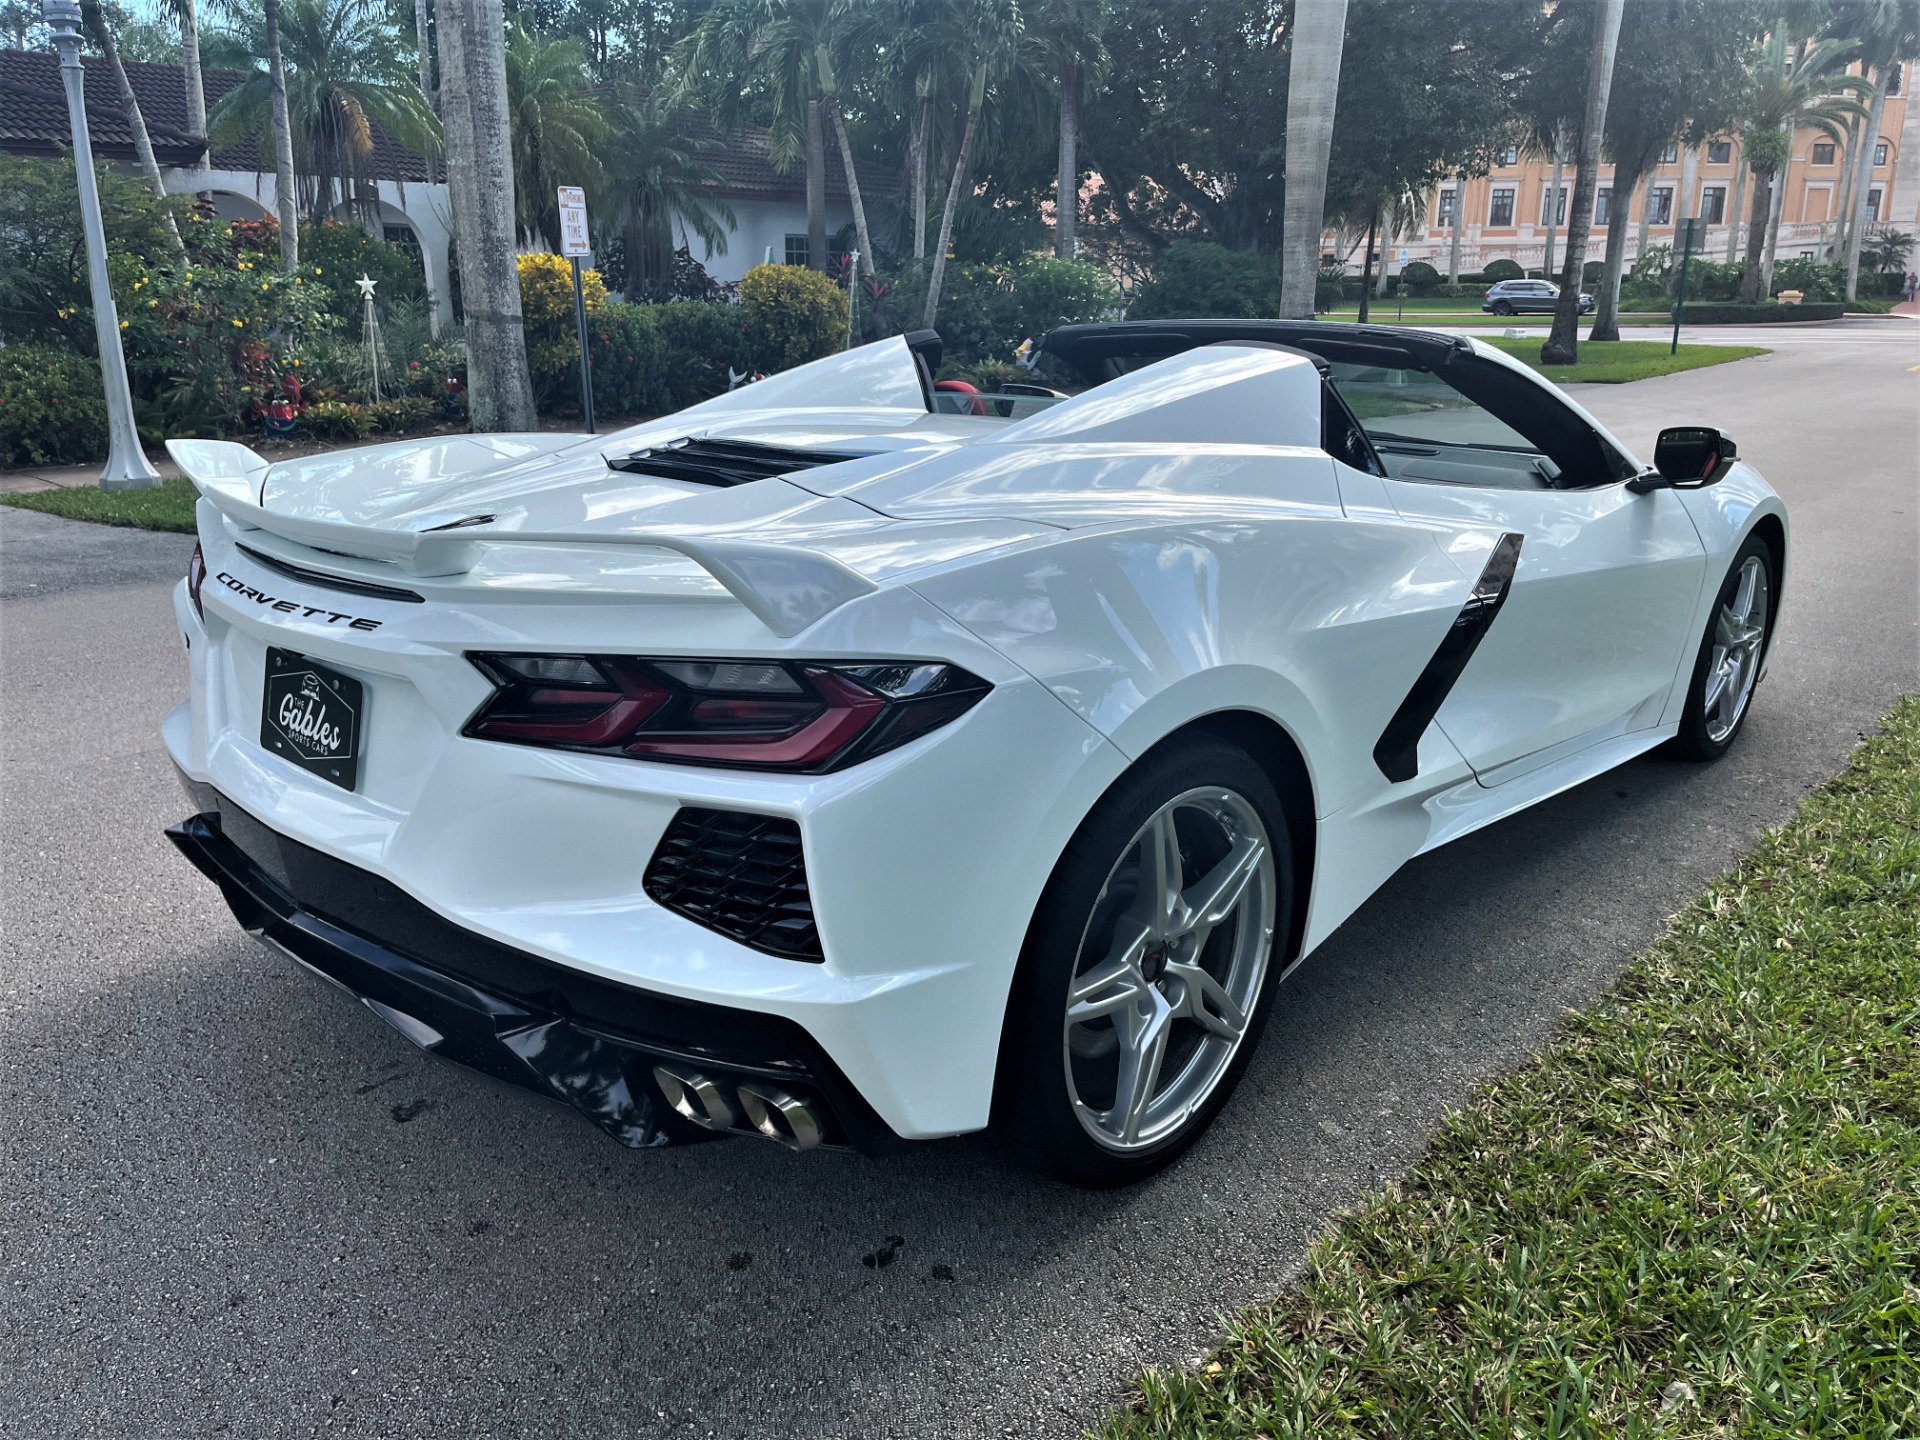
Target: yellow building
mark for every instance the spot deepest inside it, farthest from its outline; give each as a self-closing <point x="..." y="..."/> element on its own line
<point x="1505" y="214"/>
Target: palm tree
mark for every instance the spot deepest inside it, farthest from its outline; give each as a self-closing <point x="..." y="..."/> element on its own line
<point x="103" y="36"/>
<point x="187" y="16"/>
<point x="991" y="34"/>
<point x="281" y="125"/>
<point x="784" y="49"/>
<point x="345" y="67"/>
<point x="1780" y="100"/>
<point x="558" y="129"/>
<point x="830" y="102"/>
<point x="1889" y="39"/>
<point x="1067" y="35"/>
<point x="1313" y="88"/>
<point x="1563" y="344"/>
<point x="479" y="141"/>
<point x="1674" y="81"/>
<point x="662" y="179"/>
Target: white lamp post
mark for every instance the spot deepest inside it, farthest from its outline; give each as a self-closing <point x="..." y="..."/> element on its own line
<point x="127" y="466"/>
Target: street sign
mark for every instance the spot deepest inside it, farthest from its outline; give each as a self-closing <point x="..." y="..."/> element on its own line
<point x="573" y="221"/>
<point x="1405" y="254"/>
<point x="573" y="245"/>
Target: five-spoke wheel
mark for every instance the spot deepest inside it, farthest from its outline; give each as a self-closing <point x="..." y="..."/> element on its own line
<point x="1144" y="982"/>
<point x="1731" y="652"/>
<point x="1173" y="958"/>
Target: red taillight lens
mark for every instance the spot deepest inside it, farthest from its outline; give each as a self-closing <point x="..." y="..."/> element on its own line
<point x="757" y="714"/>
<point x="196" y="577"/>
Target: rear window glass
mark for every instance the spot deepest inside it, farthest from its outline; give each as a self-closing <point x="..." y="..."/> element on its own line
<point x="1415" y="405"/>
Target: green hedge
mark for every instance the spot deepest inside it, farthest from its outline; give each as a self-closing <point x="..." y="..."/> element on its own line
<point x="53" y="410"/>
<point x="1760" y="314"/>
<point x="1196" y="279"/>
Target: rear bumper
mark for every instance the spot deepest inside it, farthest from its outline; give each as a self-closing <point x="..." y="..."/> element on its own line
<point x="589" y="1043"/>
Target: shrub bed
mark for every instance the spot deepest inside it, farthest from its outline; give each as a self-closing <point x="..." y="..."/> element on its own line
<point x="1760" y="314"/>
<point x="52" y="408"/>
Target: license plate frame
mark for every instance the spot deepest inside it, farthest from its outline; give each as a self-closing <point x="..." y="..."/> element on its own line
<point x="313" y="716"/>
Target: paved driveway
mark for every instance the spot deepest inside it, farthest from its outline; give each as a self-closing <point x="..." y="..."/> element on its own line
<point x="232" y="1203"/>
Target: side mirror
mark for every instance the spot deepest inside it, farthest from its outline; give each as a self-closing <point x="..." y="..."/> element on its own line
<point x="1693" y="455"/>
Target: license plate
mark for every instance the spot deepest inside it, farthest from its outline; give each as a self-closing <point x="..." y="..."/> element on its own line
<point x="311" y="715"/>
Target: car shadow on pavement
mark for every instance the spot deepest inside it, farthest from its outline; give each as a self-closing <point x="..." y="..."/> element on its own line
<point x="288" y="1185"/>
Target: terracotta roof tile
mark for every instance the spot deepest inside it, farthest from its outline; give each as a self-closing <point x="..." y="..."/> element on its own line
<point x="33" y="116"/>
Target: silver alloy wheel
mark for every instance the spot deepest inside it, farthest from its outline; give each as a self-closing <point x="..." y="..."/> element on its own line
<point x="1739" y="628"/>
<point x="1170" y="968"/>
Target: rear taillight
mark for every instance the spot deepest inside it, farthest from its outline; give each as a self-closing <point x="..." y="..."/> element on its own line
<point x="196" y="577"/>
<point x="802" y="715"/>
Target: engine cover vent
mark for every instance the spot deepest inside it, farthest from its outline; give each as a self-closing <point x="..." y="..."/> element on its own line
<point x="723" y="462"/>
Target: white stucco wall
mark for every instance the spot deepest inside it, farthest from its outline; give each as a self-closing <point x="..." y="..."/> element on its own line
<point x="758" y="226"/>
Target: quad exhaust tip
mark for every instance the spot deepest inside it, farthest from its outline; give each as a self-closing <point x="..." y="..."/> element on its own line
<point x="753" y="1108"/>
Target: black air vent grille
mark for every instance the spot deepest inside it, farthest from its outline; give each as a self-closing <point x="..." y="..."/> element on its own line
<point x="723" y="462"/>
<point x="329" y="580"/>
<point x="742" y="875"/>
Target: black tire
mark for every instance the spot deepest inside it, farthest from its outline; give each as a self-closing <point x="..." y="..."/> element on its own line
<point x="1034" y="1118"/>
<point x="1501" y="307"/>
<point x="1699" y="738"/>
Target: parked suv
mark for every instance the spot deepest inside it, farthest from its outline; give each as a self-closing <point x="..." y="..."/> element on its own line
<point x="1516" y="297"/>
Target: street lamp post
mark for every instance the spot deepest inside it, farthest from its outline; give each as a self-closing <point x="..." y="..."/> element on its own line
<point x="127" y="466"/>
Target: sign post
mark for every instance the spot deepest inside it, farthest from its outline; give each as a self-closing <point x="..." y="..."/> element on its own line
<point x="1680" y="300"/>
<point x="574" y="245"/>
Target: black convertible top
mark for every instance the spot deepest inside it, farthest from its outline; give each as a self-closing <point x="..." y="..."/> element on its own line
<point x="1093" y="353"/>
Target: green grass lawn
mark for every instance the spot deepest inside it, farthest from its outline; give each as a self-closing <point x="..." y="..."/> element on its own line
<point x="1612" y="362"/>
<point x="168" y="506"/>
<point x="1697" y="1213"/>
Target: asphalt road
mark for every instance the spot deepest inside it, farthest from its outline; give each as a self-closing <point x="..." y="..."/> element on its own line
<point x="232" y="1203"/>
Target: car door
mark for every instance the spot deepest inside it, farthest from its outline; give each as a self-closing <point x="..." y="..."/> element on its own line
<point x="1540" y="297"/>
<point x="1592" y="632"/>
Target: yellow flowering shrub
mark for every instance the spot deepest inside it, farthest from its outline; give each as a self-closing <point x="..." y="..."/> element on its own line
<point x="546" y="294"/>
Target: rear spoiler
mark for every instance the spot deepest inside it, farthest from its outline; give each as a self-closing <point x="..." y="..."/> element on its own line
<point x="787" y="588"/>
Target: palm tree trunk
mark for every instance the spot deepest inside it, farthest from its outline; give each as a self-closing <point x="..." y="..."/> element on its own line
<point x="1756" y="235"/>
<point x="1733" y="210"/>
<point x="1775" y="211"/>
<point x="423" y="41"/>
<point x="816" y="189"/>
<point x="920" y="177"/>
<point x="1606" y="305"/>
<point x="187" y="12"/>
<point x="285" y="201"/>
<point x="102" y="33"/>
<point x="1857" y="225"/>
<point x="1366" y="269"/>
<point x="853" y="191"/>
<point x="1554" y="206"/>
<point x="1453" y="240"/>
<point x="1389" y="232"/>
<point x="1843" y="208"/>
<point x="1066" y="195"/>
<point x="1563" y="344"/>
<point x="831" y="102"/>
<point x="1313" y="93"/>
<point x="473" y="58"/>
<point x="961" y="166"/>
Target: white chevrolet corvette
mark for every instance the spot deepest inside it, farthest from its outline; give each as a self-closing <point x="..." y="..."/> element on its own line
<point x="847" y="760"/>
